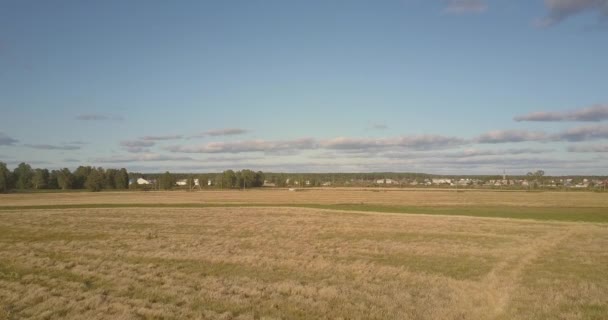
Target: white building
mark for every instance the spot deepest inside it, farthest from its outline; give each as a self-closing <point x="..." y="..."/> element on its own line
<point x="184" y="182"/>
<point x="442" y="181"/>
<point x="143" y="181"/>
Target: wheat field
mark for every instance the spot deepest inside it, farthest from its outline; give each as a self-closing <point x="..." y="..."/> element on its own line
<point x="297" y="263"/>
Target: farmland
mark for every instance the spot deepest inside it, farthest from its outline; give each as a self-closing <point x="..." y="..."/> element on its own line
<point x="339" y="253"/>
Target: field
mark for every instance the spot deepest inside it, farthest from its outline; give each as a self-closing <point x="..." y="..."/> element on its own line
<point x="335" y="254"/>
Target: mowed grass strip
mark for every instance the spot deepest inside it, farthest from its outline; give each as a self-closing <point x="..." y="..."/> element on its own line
<point x="573" y="214"/>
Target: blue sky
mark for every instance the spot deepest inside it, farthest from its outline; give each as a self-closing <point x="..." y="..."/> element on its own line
<point x="455" y="86"/>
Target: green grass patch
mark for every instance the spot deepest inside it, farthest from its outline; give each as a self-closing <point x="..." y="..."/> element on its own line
<point x="573" y="214"/>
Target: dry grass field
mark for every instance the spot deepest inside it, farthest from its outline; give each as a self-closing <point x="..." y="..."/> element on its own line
<point x="298" y="263"/>
<point x="409" y="197"/>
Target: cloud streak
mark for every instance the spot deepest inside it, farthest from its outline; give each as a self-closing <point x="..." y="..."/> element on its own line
<point x="379" y="126"/>
<point x="5" y="140"/>
<point x="247" y="146"/>
<point x="589" y="148"/>
<point x="162" y="138"/>
<point x="51" y="147"/>
<point x="583" y="133"/>
<point x="560" y="10"/>
<point x="225" y="132"/>
<point x="597" y="112"/>
<point x="422" y="142"/>
<point x="148" y="157"/>
<point x="98" y="117"/>
<point x="507" y="136"/>
<point x="137" y="143"/>
<point x="137" y="146"/>
<point x="465" y="6"/>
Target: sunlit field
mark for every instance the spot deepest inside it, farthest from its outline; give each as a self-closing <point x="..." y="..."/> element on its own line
<point x="349" y="254"/>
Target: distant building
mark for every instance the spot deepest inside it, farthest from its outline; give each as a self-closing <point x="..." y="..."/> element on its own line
<point x="442" y="181"/>
<point x="269" y="184"/>
<point x="143" y="181"/>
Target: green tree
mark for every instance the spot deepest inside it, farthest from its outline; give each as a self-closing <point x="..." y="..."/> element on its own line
<point x="228" y="179"/>
<point x="80" y="176"/>
<point x="167" y="181"/>
<point x="121" y="179"/>
<point x="95" y="180"/>
<point x="40" y="179"/>
<point x="52" y="183"/>
<point x="110" y="179"/>
<point x="23" y="176"/>
<point x="65" y="179"/>
<point x="259" y="179"/>
<point x="536" y="177"/>
<point x="4" y="178"/>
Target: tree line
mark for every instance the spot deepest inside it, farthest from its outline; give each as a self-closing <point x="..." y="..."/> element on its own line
<point x="228" y="179"/>
<point x="24" y="177"/>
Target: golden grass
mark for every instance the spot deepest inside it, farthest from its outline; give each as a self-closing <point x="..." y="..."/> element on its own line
<point x="402" y="197"/>
<point x="296" y="263"/>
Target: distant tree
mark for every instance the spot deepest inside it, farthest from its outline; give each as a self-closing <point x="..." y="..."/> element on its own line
<point x="80" y="176"/>
<point x="65" y="179"/>
<point x="52" y="182"/>
<point x="219" y="180"/>
<point x="110" y="179"/>
<point x="23" y="176"/>
<point x="535" y="177"/>
<point x="202" y="180"/>
<point x="259" y="179"/>
<point x="167" y="181"/>
<point x="121" y="179"/>
<point x="228" y="179"/>
<point x="4" y="178"/>
<point x="40" y="179"/>
<point x="95" y="180"/>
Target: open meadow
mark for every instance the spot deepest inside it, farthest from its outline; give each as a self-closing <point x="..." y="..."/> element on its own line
<point x="275" y="254"/>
